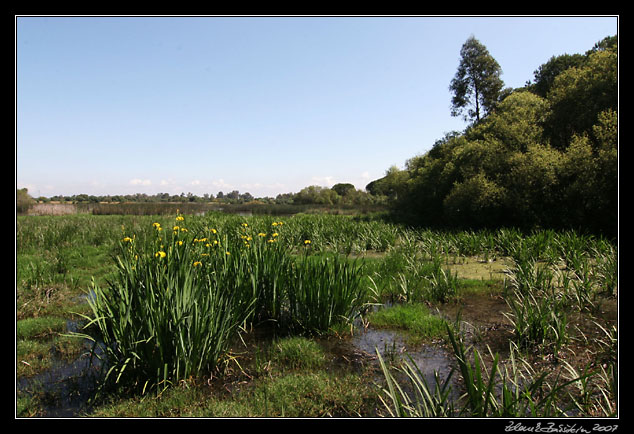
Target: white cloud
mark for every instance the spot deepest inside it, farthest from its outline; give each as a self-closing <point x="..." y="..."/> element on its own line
<point x="137" y="181"/>
<point x="220" y="183"/>
<point x="325" y="181"/>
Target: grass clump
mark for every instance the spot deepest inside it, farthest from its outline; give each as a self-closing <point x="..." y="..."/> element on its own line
<point x="414" y="318"/>
<point x="29" y="328"/>
<point x="298" y="352"/>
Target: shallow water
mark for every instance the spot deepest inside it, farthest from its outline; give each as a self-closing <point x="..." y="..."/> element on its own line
<point x="66" y="388"/>
<point x="428" y="358"/>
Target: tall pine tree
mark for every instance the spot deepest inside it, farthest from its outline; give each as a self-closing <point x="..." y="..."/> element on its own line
<point x="477" y="85"/>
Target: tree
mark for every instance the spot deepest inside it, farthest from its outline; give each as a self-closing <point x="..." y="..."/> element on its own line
<point x="516" y="122"/>
<point x="578" y="95"/>
<point x="343" y="189"/>
<point x="23" y="200"/>
<point x="246" y="197"/>
<point x="235" y="194"/>
<point x="477" y="85"/>
<point x="393" y="181"/>
<point x="545" y="75"/>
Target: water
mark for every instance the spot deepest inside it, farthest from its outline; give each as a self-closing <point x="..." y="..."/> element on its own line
<point x="392" y="346"/>
<point x="66" y="388"/>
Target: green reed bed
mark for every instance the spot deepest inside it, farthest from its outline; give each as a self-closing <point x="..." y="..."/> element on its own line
<point x="180" y="296"/>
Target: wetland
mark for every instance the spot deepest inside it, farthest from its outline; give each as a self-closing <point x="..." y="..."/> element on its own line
<point x="310" y="316"/>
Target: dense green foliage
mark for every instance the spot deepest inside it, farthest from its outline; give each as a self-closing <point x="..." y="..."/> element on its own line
<point x="544" y="156"/>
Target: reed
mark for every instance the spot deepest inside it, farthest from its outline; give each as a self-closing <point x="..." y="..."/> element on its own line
<point x="512" y="389"/>
<point x="327" y="290"/>
<point x="160" y="319"/>
<point x="182" y="292"/>
<point x="423" y="401"/>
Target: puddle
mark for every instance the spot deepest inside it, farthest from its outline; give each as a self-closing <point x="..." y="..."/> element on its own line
<point x="65" y="388"/>
<point x="393" y="347"/>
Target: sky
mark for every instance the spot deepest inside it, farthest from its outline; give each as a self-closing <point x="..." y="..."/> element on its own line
<point x="110" y="105"/>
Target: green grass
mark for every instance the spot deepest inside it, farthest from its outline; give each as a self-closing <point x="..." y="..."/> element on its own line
<point x="298" y="352"/>
<point x="297" y="382"/>
<point x="298" y="394"/>
<point x="39" y="327"/>
<point x="414" y="318"/>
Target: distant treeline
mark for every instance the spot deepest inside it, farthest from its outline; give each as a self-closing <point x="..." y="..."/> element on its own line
<point x="544" y="155"/>
<point x="338" y="194"/>
<point x="342" y="197"/>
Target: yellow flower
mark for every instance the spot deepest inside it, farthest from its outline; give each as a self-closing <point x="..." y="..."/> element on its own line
<point x="176" y="228"/>
<point x="180" y="218"/>
<point x="261" y="234"/>
<point x="157" y="226"/>
<point x="160" y="254"/>
<point x="306" y="241"/>
<point x="127" y="240"/>
<point x="244" y="225"/>
<point x="197" y="263"/>
<point x="208" y="245"/>
<point x="271" y="241"/>
<point x="180" y="243"/>
<point x="213" y="231"/>
<point x="183" y="229"/>
<point x="274" y="224"/>
<point x="275" y="234"/>
<point x="227" y="253"/>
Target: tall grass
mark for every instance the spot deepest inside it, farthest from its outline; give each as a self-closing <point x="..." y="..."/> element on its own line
<point x="423" y="401"/>
<point x="161" y="319"/>
<point x="511" y="390"/>
<point x="327" y="290"/>
<point x="181" y="293"/>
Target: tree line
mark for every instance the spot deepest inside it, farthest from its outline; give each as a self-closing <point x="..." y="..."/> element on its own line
<point x="540" y="156"/>
<point x="338" y="194"/>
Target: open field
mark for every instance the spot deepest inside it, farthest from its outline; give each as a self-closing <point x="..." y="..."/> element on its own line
<point x="224" y="315"/>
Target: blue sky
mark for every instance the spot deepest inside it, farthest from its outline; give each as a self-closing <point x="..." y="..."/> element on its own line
<point x="268" y="105"/>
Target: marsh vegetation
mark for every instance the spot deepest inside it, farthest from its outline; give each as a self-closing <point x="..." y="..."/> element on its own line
<point x="311" y="315"/>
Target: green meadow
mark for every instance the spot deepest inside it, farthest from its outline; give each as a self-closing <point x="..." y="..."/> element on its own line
<point x="223" y="315"/>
